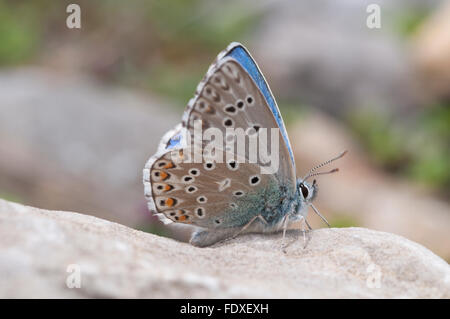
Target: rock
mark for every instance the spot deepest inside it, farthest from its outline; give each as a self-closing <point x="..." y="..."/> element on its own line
<point x="37" y="247"/>
<point x="323" y="54"/>
<point x="70" y="143"/>
<point x="432" y="51"/>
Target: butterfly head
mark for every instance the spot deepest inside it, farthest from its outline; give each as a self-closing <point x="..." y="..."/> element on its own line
<point x="308" y="191"/>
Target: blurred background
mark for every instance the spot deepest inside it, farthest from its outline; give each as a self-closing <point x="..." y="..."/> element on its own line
<point x="81" y="110"/>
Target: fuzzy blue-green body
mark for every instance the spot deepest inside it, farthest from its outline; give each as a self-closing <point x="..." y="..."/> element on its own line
<point x="276" y="206"/>
<point x="272" y="202"/>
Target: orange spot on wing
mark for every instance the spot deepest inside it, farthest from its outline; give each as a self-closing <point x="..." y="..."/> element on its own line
<point x="167" y="187"/>
<point x="164" y="175"/>
<point x="182" y="218"/>
<point x="170" y="202"/>
<point x="169" y="165"/>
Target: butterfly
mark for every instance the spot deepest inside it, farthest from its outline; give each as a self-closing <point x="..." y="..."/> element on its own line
<point x="185" y="183"/>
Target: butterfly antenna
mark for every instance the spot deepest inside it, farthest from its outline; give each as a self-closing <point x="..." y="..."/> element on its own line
<point x="310" y="173"/>
<point x="334" y="170"/>
<point x="320" y="215"/>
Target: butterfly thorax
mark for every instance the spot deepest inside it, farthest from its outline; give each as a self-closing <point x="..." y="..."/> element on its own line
<point x="273" y="203"/>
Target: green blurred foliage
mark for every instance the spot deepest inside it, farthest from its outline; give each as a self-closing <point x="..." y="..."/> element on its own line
<point x="19" y="34"/>
<point x="199" y="23"/>
<point x="178" y="83"/>
<point x="418" y="148"/>
<point x="431" y="148"/>
<point x="341" y="220"/>
<point x="407" y="21"/>
<point x="292" y="112"/>
<point x="10" y="197"/>
<point x="154" y="228"/>
<point x="381" y="137"/>
<point x="165" y="46"/>
<point x="190" y="35"/>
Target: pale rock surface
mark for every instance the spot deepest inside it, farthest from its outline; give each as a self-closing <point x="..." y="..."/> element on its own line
<point x="37" y="246"/>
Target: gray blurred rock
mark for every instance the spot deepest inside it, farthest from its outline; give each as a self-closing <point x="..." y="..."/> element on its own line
<point x="322" y="53"/>
<point x="38" y="246"/>
<point x="71" y="143"/>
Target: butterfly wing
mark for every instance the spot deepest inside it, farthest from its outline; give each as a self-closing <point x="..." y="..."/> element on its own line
<point x="233" y="94"/>
<point x="209" y="194"/>
<point x="241" y="55"/>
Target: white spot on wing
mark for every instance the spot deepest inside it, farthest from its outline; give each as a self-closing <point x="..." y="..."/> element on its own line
<point x="224" y="184"/>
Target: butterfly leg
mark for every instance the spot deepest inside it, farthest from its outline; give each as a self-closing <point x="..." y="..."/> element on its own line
<point x="249" y="223"/>
<point x="285" y="224"/>
<point x="304" y="233"/>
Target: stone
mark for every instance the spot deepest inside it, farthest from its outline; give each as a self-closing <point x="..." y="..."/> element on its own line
<point x="71" y="143"/>
<point x="43" y="253"/>
<point x="431" y="51"/>
<point x="323" y="54"/>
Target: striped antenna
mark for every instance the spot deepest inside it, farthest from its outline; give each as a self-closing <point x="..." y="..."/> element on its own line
<point x="311" y="172"/>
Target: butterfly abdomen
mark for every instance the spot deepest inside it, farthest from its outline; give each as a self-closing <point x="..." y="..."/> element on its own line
<point x="271" y="202"/>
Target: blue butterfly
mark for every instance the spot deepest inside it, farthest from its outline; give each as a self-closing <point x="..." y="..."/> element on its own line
<point x="233" y="196"/>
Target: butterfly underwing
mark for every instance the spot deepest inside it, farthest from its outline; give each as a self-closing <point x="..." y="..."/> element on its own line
<point x="186" y="184"/>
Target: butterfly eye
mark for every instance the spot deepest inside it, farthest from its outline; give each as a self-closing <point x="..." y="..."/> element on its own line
<point x="304" y="190"/>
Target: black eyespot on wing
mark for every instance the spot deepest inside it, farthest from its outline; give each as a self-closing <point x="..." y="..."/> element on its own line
<point x="200" y="211"/>
<point x="201" y="199"/>
<point x="254" y="180"/>
<point x="232" y="165"/>
<point x="238" y="193"/>
<point x="191" y="189"/>
<point x="228" y="122"/>
<point x="194" y="172"/>
<point x="187" y="179"/>
<point x="230" y="109"/>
